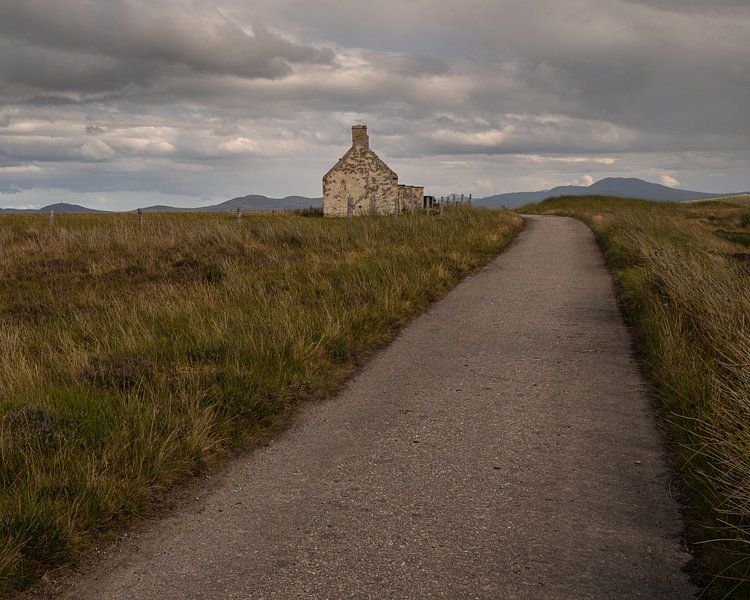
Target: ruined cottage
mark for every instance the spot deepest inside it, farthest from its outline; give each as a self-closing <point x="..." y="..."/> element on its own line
<point x="361" y="183"/>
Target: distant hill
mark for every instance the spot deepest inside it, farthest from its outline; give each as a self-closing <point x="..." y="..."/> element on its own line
<point x="60" y="207"/>
<point x="611" y="186"/>
<point x="245" y="203"/>
<point x="249" y="203"/>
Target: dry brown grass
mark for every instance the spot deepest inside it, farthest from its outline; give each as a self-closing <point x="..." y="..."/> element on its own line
<point x="130" y="359"/>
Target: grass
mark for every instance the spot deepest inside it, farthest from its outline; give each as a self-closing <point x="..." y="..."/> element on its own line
<point x="134" y="358"/>
<point x="684" y="278"/>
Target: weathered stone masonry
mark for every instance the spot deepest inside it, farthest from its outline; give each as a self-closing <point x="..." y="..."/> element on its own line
<point x="411" y="197"/>
<point x="361" y="183"/>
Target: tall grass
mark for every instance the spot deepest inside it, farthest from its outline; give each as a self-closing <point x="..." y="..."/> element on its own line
<point x="133" y="358"/>
<point x="686" y="288"/>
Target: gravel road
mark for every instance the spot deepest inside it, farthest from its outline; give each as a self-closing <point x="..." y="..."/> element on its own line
<point x="504" y="446"/>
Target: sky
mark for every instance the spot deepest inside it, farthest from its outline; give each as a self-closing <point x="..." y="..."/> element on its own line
<point x="115" y="104"/>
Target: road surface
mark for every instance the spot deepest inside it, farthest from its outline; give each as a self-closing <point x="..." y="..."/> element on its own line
<point x="504" y="446"/>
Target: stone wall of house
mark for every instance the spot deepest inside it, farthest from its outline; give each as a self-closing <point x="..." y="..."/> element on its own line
<point x="411" y="197"/>
<point x="365" y="182"/>
<point x="362" y="178"/>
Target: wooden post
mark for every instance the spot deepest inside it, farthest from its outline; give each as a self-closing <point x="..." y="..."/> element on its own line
<point x="462" y="198"/>
<point x="140" y="217"/>
<point x="469" y="199"/>
<point x="52" y="217"/>
<point x="441" y="206"/>
<point x="239" y="214"/>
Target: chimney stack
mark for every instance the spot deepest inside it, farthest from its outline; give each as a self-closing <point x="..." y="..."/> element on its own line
<point x="359" y="136"/>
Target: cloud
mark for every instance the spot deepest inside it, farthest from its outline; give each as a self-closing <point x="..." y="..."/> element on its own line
<point x="695" y="5"/>
<point x="27" y="206"/>
<point x="240" y="145"/>
<point x="409" y="66"/>
<point x="224" y="98"/>
<point x="668" y="180"/>
<point x="85" y="46"/>
<point x="573" y="160"/>
<point x="14" y="170"/>
<point x="523" y="133"/>
<point x="95" y="150"/>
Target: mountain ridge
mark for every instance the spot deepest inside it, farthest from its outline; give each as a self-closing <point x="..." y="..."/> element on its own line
<point x="619" y="187"/>
<point x="252" y="202"/>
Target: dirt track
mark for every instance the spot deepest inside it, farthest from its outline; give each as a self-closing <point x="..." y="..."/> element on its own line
<point x="503" y="446"/>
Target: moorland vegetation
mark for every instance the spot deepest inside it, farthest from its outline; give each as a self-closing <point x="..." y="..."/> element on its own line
<point x="135" y="357"/>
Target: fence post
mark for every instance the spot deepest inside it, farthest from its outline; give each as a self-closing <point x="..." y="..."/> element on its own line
<point x="239" y="214"/>
<point x="52" y="217"/>
<point x="140" y="217"/>
<point x="469" y="199"/>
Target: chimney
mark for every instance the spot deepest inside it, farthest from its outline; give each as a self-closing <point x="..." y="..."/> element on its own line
<point x="359" y="137"/>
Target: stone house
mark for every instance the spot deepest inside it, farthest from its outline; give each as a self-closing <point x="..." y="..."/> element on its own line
<point x="361" y="183"/>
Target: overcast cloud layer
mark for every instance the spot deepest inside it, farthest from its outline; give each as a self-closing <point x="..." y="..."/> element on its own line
<point x="122" y="103"/>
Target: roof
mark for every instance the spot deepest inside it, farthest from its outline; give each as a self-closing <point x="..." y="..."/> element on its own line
<point x="357" y="149"/>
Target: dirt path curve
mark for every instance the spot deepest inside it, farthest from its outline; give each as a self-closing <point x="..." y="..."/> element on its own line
<point x="503" y="446"/>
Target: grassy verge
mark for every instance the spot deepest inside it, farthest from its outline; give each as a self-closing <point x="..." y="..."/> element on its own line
<point x="684" y="278"/>
<point x="132" y="358"/>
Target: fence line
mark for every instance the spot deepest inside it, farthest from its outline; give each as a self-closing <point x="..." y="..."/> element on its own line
<point x="455" y="199"/>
